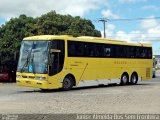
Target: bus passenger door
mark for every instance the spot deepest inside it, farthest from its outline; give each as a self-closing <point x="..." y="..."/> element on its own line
<point x="56" y="61"/>
<point x="54" y="65"/>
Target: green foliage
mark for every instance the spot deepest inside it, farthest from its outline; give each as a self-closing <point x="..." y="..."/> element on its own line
<point x="13" y="31"/>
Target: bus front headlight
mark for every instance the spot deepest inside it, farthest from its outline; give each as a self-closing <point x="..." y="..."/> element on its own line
<point x="40" y="78"/>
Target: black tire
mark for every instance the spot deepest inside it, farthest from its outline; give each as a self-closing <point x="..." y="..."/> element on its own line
<point x="124" y="79"/>
<point x="154" y="76"/>
<point x="134" y="79"/>
<point x="68" y="83"/>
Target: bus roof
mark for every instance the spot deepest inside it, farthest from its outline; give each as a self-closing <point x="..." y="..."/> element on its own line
<point x="47" y="37"/>
<point x="85" y="39"/>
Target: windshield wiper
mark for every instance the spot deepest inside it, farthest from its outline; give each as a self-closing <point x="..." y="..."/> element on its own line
<point x="32" y="58"/>
<point x="26" y="62"/>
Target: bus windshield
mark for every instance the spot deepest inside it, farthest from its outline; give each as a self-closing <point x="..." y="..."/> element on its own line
<point x="33" y="57"/>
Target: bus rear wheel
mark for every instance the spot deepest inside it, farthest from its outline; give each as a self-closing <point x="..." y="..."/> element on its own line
<point x="68" y="83"/>
<point x="134" y="79"/>
<point x="124" y="79"/>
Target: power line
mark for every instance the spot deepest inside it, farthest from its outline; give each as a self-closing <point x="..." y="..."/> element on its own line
<point x="140" y="37"/>
<point x="105" y="20"/>
<point x="131" y="19"/>
<point x="137" y="33"/>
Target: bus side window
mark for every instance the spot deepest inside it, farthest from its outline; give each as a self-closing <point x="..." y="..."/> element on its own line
<point x="116" y="51"/>
<point x="71" y="48"/>
<point x="95" y="50"/>
<point x="91" y="50"/>
<point x="107" y="52"/>
<point x="143" y="54"/>
<point x="100" y="50"/>
<point x="132" y="52"/>
<point x="76" y="49"/>
<point x="149" y="53"/>
<point x="124" y="50"/>
<point x="79" y="49"/>
<point x="137" y="53"/>
<point x="119" y="51"/>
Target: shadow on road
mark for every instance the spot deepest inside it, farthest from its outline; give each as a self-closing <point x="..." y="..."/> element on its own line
<point x="82" y="88"/>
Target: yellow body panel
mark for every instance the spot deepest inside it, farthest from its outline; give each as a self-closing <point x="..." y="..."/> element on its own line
<point x="88" y="68"/>
<point x="109" y="68"/>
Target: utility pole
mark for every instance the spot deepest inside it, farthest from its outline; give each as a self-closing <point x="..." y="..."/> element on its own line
<point x="103" y="20"/>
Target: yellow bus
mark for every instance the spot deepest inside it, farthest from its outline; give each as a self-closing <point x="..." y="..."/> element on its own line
<point x="62" y="61"/>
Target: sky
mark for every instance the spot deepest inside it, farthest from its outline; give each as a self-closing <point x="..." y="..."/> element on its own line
<point x="147" y="30"/>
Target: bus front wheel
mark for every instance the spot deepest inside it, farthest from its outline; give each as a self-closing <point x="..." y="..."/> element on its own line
<point x="68" y="83"/>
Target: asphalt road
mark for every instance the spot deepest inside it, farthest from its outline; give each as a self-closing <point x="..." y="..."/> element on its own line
<point x="141" y="98"/>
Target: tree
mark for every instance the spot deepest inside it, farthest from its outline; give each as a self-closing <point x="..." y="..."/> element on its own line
<point x="53" y="23"/>
<point x="13" y="31"/>
<point x="82" y="27"/>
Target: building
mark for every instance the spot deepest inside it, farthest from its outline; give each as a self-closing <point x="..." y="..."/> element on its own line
<point x="157" y="58"/>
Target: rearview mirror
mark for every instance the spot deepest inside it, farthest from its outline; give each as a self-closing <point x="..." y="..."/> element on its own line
<point x="55" y="50"/>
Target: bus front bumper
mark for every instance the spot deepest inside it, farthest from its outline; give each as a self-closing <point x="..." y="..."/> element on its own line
<point x="36" y="84"/>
